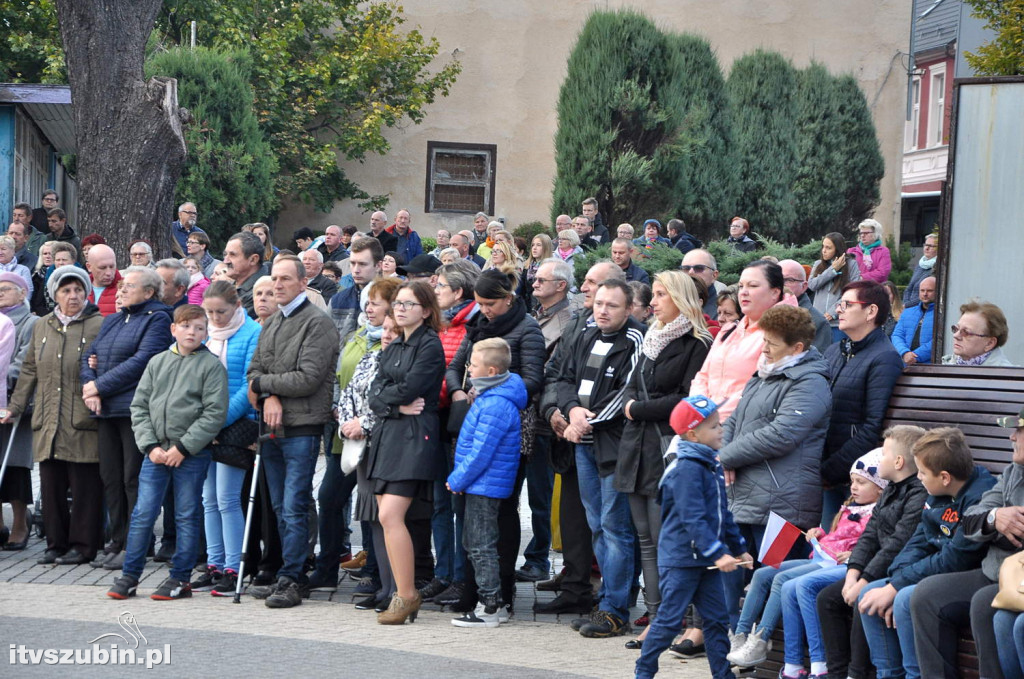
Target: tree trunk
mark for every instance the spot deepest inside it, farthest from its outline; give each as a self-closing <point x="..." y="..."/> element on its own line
<point x="130" y="142"/>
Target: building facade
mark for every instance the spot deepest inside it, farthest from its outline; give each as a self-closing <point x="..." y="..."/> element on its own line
<point x="36" y="129"/>
<point x="489" y="145"/>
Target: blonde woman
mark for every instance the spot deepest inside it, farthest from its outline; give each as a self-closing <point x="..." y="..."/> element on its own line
<point x="675" y="346"/>
<point x="568" y="245"/>
<point x="503" y="258"/>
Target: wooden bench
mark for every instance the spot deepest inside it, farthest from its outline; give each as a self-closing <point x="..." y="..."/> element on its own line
<point x="940" y="396"/>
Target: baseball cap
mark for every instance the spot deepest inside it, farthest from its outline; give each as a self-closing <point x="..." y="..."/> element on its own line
<point x="690" y="412"/>
<point x="420" y="264"/>
<point x="1013" y="422"/>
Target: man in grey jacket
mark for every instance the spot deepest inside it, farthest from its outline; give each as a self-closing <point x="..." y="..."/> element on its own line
<point x="940" y="604"/>
<point x="291" y="377"/>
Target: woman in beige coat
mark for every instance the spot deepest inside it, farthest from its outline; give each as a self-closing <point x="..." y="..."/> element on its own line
<point x="64" y="436"/>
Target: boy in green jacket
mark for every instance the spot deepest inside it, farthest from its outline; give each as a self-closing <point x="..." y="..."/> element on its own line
<point x="179" y="407"/>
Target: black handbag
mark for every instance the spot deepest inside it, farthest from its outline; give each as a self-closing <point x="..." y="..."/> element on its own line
<point x="235" y="445"/>
<point x="457" y="412"/>
<point x="664" y="440"/>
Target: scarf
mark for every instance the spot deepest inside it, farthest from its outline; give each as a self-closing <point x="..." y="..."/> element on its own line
<point x="866" y="249"/>
<point x="450" y="313"/>
<point x="500" y="326"/>
<point x="976" y="361"/>
<point x="482" y="384"/>
<point x="766" y="369"/>
<point x="8" y="309"/>
<point x="373" y="332"/>
<point x="217" y="342"/>
<point x="657" y="338"/>
<point x="926" y="263"/>
<point x="565" y="254"/>
<point x="489" y="242"/>
<point x="66" y="320"/>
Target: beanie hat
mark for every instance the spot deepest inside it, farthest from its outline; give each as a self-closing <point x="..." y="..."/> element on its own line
<point x="690" y="412"/>
<point x="867" y="466"/>
<point x="10" y="277"/>
<point x="62" y="274"/>
<point x="655" y="222"/>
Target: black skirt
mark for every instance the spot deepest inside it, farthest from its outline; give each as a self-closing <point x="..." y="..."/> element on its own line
<point x="17" y="485"/>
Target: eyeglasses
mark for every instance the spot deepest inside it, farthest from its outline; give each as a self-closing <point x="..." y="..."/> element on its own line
<point x="859" y="465"/>
<point x="792" y="280"/>
<point x="188" y="212"/>
<point x="845" y="304"/>
<point x="8" y="288"/>
<point x="438" y="286"/>
<point x="397" y="304"/>
<point x="542" y="281"/>
<point x="49" y="199"/>
<point x="139" y="254"/>
<point x="192" y="242"/>
<point x="963" y="332"/>
<point x="696" y="268"/>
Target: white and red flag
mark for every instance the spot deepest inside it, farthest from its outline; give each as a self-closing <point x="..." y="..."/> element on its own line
<point x="779" y="537"/>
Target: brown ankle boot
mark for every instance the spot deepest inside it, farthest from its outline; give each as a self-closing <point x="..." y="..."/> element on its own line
<point x="400" y="609"/>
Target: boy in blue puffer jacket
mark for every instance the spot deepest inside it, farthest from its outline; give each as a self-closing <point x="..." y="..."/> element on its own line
<point x="698" y="538"/>
<point x="486" y="462"/>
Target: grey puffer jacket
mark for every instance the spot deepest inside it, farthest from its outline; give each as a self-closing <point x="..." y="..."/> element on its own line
<point x="774" y="441"/>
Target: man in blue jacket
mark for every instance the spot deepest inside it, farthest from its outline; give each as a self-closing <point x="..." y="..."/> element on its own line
<point x="913" y="334"/>
<point x="954" y="484"/>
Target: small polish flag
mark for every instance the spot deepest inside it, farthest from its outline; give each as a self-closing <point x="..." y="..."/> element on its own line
<point x="779" y="537"/>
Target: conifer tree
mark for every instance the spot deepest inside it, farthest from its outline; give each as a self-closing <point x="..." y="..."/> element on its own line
<point x="762" y="90"/>
<point x="230" y="169"/>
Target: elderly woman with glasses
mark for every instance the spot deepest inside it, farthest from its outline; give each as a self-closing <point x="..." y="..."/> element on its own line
<point x="979" y="336"/>
<point x="141" y="253"/>
<point x="124" y="345"/>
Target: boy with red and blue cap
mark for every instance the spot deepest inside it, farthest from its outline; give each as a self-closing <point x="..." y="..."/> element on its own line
<point x="698" y="538"/>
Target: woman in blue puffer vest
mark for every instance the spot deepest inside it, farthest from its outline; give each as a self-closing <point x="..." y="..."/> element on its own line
<point x="232" y="338"/>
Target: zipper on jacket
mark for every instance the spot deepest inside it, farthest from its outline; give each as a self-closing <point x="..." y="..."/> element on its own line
<point x="772" y="474"/>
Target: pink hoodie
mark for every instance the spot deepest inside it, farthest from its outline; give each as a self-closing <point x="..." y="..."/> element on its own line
<point x="731" y="363"/>
<point x="196" y="290"/>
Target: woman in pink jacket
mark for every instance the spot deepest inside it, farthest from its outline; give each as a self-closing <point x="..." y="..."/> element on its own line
<point x="873" y="258"/>
<point x="198" y="282"/>
<point x="733" y="356"/>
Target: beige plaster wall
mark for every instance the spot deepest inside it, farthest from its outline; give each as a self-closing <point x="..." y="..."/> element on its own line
<point x="513" y="55"/>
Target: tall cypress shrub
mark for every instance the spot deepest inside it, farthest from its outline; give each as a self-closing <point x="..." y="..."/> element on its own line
<point x="859" y="150"/>
<point x="706" y="188"/>
<point x="230" y="169"/>
<point x="839" y="164"/>
<point x="618" y="137"/>
<point x="762" y="90"/>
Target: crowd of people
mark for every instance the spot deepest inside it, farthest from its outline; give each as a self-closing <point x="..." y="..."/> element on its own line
<point x="681" y="416"/>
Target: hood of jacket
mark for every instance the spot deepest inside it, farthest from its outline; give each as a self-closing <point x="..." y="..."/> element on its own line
<point x="695" y="451"/>
<point x="812" y="362"/>
<point x="513" y="389"/>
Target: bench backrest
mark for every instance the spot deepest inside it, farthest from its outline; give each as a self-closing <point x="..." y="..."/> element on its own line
<point x="969" y="398"/>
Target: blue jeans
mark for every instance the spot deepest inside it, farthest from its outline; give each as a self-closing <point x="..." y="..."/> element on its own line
<point x="1009" y="627"/>
<point x="680" y="586"/>
<point x="188" y="492"/>
<point x="612" y="527"/>
<point x="335" y="500"/>
<point x="290" y="463"/>
<point x="892" y="650"/>
<point x="481" y="542"/>
<point x="540" y="486"/>
<point x="225" y="523"/>
<point x="800" y="612"/>
<point x="765" y="595"/>
<point x="450" y="563"/>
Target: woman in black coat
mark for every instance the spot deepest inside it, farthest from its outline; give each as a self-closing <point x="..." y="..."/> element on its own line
<point x="404" y="455"/>
<point x="675" y="347"/>
<point x="502" y="314"/>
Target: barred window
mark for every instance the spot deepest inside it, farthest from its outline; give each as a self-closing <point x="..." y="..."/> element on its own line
<point x="460" y="177"/>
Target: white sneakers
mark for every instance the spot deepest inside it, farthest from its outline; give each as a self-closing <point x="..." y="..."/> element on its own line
<point x="754" y="651"/>
<point x="481" y="617"/>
